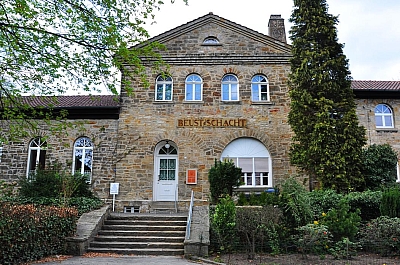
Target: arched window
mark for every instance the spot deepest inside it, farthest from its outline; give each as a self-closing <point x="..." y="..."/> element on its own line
<point x="36" y="155"/>
<point x="230" y="88"/>
<point x="383" y="116"/>
<point x="83" y="157"/>
<point x="164" y="88"/>
<point x="254" y="159"/>
<point x="211" y="41"/>
<point x="259" y="88"/>
<point x="193" y="88"/>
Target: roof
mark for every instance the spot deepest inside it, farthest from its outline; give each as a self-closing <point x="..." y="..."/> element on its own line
<point x="375" y="85"/>
<point x="94" y="101"/>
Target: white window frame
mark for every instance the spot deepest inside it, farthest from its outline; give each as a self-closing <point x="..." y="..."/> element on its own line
<point x="257" y="83"/>
<point x="87" y="146"/>
<point x="191" y="83"/>
<point x="243" y="149"/>
<point x="39" y="145"/>
<point x="1" y="153"/>
<point x="230" y="82"/>
<point x="382" y="111"/>
<point x="163" y="82"/>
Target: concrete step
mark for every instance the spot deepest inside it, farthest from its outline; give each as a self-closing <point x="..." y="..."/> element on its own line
<point x="124" y="238"/>
<point x="137" y="245"/>
<point x="146" y="222"/>
<point x="142" y="233"/>
<point x="142" y="252"/>
<point x="143" y="228"/>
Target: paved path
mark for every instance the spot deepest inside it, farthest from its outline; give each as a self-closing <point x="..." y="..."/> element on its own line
<point x="125" y="260"/>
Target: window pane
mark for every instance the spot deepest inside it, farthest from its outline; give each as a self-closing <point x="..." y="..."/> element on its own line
<point x="168" y="92"/>
<point x="234" y="92"/>
<point x="388" y="121"/>
<point x="246" y="164"/>
<point x="261" y="164"/>
<point x="254" y="92"/>
<point x="160" y="93"/>
<point x="189" y="92"/>
<point x="32" y="160"/>
<point x="198" y="92"/>
<point x="378" y="120"/>
<point x="225" y="92"/>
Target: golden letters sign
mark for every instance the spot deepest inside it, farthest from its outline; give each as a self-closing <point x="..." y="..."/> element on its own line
<point x="212" y="122"/>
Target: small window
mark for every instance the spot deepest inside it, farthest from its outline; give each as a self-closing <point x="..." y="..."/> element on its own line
<point x="211" y="41"/>
<point x="83" y="157"/>
<point x="164" y="88"/>
<point x="36" y="156"/>
<point x="230" y="88"/>
<point x="193" y="88"/>
<point x="383" y="116"/>
<point x="259" y="88"/>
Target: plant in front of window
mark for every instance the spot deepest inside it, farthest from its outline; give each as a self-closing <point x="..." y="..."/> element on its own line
<point x="328" y="139"/>
<point x="224" y="176"/>
<point x="379" y="166"/>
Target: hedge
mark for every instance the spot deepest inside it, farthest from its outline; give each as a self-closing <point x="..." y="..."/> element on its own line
<point x="29" y="232"/>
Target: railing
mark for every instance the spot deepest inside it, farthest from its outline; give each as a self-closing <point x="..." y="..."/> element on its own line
<point x="176" y="199"/>
<point x="189" y="220"/>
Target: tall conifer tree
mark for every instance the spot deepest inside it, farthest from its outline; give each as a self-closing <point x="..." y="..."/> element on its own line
<point x="328" y="140"/>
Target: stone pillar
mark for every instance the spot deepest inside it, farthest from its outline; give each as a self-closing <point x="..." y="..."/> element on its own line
<point x="197" y="244"/>
<point x="276" y="28"/>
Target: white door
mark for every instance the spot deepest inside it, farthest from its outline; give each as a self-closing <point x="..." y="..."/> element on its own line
<point x="166" y="173"/>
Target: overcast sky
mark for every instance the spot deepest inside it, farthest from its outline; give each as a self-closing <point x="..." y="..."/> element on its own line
<point x="370" y="29"/>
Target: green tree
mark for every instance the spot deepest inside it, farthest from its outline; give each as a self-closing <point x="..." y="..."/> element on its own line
<point x="223" y="177"/>
<point x="379" y="167"/>
<point x="48" y="47"/>
<point x="328" y="140"/>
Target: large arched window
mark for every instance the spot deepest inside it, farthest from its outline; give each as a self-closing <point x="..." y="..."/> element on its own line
<point x="83" y="157"/>
<point x="36" y="155"/>
<point x="230" y="88"/>
<point x="164" y="88"/>
<point x="254" y="159"/>
<point x="383" y="116"/>
<point x="193" y="88"/>
<point x="259" y="88"/>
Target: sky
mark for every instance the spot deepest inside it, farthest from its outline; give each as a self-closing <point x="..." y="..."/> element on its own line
<point x="370" y="29"/>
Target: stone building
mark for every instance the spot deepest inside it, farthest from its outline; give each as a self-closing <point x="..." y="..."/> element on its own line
<point x="225" y="96"/>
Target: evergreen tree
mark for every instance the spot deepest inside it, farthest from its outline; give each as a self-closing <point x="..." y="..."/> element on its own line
<point x="328" y="140"/>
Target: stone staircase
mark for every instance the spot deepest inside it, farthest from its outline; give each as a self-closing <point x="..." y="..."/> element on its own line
<point x="141" y="234"/>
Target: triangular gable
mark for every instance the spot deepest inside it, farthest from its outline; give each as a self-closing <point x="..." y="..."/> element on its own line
<point x="278" y="46"/>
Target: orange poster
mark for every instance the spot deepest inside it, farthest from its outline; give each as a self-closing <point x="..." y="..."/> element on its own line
<point x="191" y="176"/>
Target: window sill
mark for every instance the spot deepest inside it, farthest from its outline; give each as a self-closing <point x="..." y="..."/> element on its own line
<point x="164" y="102"/>
<point x="252" y="188"/>
<point x="233" y="102"/>
<point x="262" y="103"/>
<point x="387" y="130"/>
<point x="193" y="102"/>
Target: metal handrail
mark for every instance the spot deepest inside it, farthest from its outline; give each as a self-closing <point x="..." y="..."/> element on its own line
<point x="189" y="220"/>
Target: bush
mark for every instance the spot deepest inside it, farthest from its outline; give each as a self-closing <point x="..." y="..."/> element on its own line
<point x="390" y="203"/>
<point x="380" y="162"/>
<point x="381" y="235"/>
<point x="344" y="249"/>
<point x="223" y="177"/>
<point x="322" y="201"/>
<point x="295" y="203"/>
<point x="368" y="202"/>
<point x="341" y="222"/>
<point x="258" y="224"/>
<point x="261" y="199"/>
<point x="313" y="239"/>
<point x="54" y="184"/>
<point x="29" y="233"/>
<point x="82" y="204"/>
<point x="224" y="221"/>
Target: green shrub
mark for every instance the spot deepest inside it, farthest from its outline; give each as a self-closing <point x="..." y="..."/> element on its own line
<point x="322" y="201"/>
<point x="295" y="204"/>
<point x="368" y="202"/>
<point x="259" y="224"/>
<point x="313" y="239"/>
<point x="344" y="249"/>
<point x="223" y="177"/>
<point x="261" y="199"/>
<point x="379" y="168"/>
<point x="54" y="184"/>
<point x="390" y="203"/>
<point x="224" y="221"/>
<point x="341" y="222"/>
<point x="7" y="189"/>
<point x="29" y="233"/>
<point x="381" y="235"/>
<point x="82" y="204"/>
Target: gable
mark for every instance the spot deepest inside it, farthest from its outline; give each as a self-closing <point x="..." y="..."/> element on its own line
<point x="235" y="42"/>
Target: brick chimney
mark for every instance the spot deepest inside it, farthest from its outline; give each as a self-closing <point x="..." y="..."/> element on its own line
<point x="276" y="28"/>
